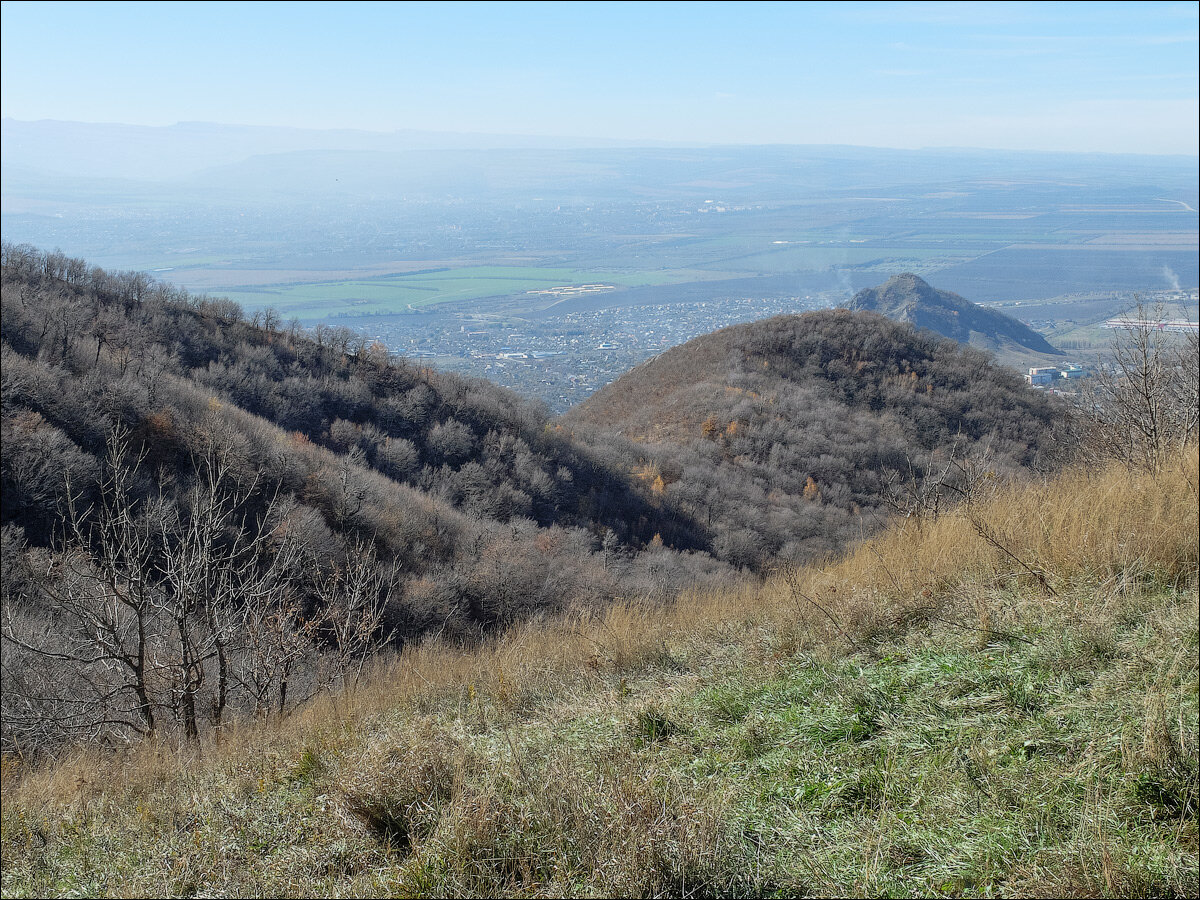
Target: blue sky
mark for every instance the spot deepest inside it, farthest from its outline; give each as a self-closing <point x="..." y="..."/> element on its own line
<point x="1109" y="77"/>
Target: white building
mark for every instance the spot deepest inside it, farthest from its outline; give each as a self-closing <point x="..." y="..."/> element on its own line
<point x="1042" y="375"/>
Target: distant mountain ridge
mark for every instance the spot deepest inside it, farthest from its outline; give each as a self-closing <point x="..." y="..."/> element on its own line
<point x="115" y="150"/>
<point x="909" y="298"/>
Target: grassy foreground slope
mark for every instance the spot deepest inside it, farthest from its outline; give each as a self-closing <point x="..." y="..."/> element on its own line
<point x="1002" y="701"/>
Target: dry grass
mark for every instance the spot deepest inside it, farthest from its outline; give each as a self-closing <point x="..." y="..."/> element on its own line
<point x="1024" y="544"/>
<point x="999" y="701"/>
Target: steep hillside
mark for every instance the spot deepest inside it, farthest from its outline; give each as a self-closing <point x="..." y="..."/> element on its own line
<point x="907" y="298"/>
<point x="157" y="447"/>
<point x="920" y="718"/>
<point x="787" y="438"/>
<point x="270" y="508"/>
<point x="90" y="349"/>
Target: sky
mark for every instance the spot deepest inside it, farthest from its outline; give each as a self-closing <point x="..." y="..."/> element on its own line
<point x="1091" y="77"/>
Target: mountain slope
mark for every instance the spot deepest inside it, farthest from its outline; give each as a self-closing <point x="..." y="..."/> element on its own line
<point x="230" y="477"/>
<point x="90" y="350"/>
<point x="787" y="436"/>
<point x="978" y="735"/>
<point x="153" y="441"/>
<point x="908" y="298"/>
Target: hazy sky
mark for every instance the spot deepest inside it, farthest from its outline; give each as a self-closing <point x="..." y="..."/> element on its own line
<point x="1113" y="77"/>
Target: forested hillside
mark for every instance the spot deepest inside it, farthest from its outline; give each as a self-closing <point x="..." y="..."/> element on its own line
<point x="203" y="513"/>
<point x="791" y="437"/>
<point x="165" y="454"/>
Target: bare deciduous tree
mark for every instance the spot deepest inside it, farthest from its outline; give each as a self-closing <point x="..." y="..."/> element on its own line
<point x="353" y="598"/>
<point x="98" y="619"/>
<point x="955" y="477"/>
<point x="148" y="613"/>
<point x="1145" y="402"/>
<point x="215" y="567"/>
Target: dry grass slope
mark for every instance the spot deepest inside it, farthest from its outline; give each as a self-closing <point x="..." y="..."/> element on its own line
<point x="1002" y="701"/>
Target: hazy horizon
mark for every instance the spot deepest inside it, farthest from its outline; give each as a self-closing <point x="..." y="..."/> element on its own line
<point x="577" y="141"/>
<point x="1107" y="78"/>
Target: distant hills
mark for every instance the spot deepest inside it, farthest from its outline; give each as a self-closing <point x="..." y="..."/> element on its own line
<point x="238" y="208"/>
<point x="636" y="168"/>
<point x="908" y="298"/>
<point x="784" y="436"/>
<point x="112" y="150"/>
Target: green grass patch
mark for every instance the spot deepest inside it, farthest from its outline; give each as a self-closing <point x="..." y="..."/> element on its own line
<point x="395" y="294"/>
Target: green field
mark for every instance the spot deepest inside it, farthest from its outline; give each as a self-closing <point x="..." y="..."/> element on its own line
<point x="180" y="262"/>
<point x="403" y="293"/>
<point x="817" y="258"/>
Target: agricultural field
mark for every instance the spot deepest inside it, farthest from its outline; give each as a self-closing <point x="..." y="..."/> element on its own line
<point x="1020" y="273"/>
<point x="410" y="292"/>
<point x="828" y="255"/>
<point x="473" y="234"/>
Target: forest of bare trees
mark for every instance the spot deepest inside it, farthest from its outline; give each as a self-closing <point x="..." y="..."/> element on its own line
<point x="206" y="516"/>
<point x="785" y="436"/>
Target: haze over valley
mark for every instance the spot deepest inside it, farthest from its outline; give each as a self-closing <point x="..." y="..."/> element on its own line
<point x="551" y="268"/>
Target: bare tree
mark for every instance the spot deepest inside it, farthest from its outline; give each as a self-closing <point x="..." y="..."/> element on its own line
<point x="97" y="623"/>
<point x="216" y="568"/>
<point x="145" y="612"/>
<point x="1183" y="407"/>
<point x="1145" y="401"/>
<point x="276" y="642"/>
<point x="958" y="476"/>
<point x="353" y="597"/>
